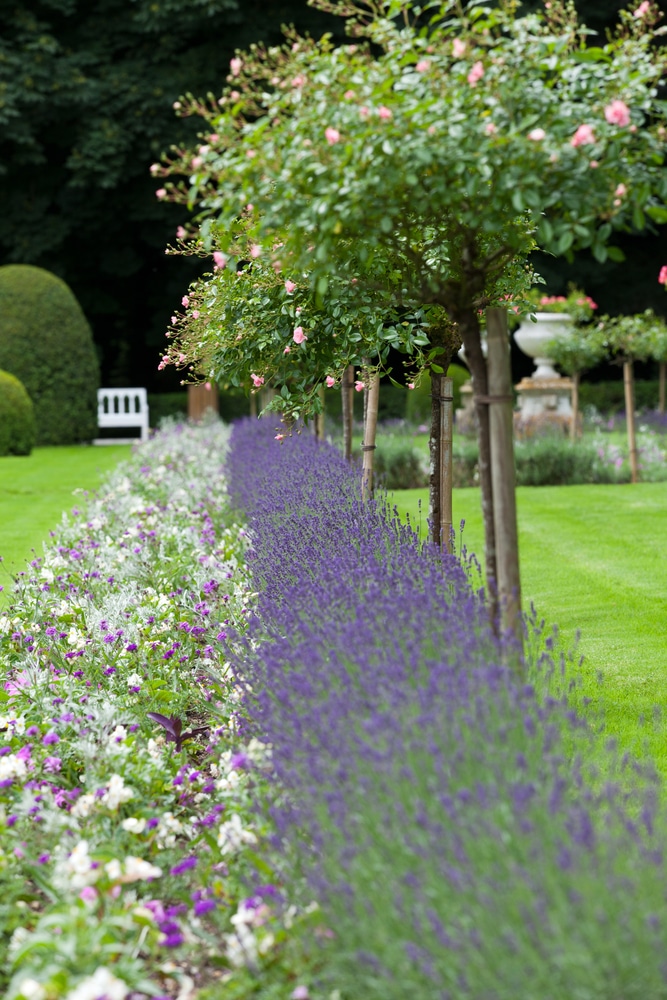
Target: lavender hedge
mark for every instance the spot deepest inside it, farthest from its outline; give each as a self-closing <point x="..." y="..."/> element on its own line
<point x="466" y="834"/>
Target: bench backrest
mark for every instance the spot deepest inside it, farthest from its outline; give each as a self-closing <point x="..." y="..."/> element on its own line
<point x="123" y="408"/>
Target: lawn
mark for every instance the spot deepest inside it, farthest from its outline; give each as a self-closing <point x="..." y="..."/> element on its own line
<point x="594" y="559"/>
<point x="36" y="489"/>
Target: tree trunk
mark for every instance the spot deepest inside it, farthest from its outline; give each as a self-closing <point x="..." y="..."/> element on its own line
<point x="319" y="418"/>
<point x="440" y="447"/>
<point x="662" y="369"/>
<point x="370" y="428"/>
<point x="469" y="330"/>
<point x="574" y="429"/>
<point x="501" y="427"/>
<point x="629" y="386"/>
<point x="347" y="389"/>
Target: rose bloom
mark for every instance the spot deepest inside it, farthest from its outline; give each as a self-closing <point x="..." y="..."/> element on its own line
<point x="332" y="135"/>
<point x="662" y="277"/>
<point x="537" y="134"/>
<point x="583" y="136"/>
<point x="299" y="336"/>
<point x="617" y="113"/>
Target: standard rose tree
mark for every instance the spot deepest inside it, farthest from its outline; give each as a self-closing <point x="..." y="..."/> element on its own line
<point x="463" y="139"/>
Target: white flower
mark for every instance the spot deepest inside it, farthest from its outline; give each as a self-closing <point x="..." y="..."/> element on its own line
<point x="134" y="680"/>
<point x="138" y="870"/>
<point x="83" y="806"/>
<point x="232" y="835"/>
<point x="113" y="869"/>
<point x="118" y="735"/>
<point x="117" y="792"/>
<point x="133" y="824"/>
<point x="12" y="766"/>
<point x="31" y="990"/>
<point x="101" y="984"/>
<point x="78" y="867"/>
<point x="241" y="948"/>
<point x="75" y="637"/>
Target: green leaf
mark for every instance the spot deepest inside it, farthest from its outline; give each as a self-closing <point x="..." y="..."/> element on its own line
<point x="657" y="212"/>
<point x="565" y="241"/>
<point x="438" y="369"/>
<point x="322" y="285"/>
<point x="616" y="254"/>
<point x="386" y="225"/>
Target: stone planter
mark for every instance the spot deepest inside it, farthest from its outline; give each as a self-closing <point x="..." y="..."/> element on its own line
<point x="532" y="338"/>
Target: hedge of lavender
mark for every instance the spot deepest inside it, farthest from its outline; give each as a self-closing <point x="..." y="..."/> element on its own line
<point x="131" y="861"/>
<point x="466" y="834"/>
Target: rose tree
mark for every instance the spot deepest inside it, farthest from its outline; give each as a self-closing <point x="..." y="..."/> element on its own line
<point x="463" y="136"/>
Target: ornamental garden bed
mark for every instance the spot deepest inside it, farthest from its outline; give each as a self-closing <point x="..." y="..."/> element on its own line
<point x="369" y="801"/>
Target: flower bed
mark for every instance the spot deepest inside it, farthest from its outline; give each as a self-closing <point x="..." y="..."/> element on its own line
<point x="128" y="840"/>
<point x="466" y="834"/>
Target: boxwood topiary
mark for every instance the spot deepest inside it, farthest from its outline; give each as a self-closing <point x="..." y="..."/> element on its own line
<point x="17" y="417"/>
<point x="46" y="342"/>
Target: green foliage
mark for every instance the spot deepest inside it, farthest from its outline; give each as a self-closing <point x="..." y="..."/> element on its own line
<point x="576" y="303"/>
<point x="580" y="350"/>
<point x="398" y="464"/>
<point x="628" y="338"/>
<point x="416" y="127"/>
<point x="17" y="417"/>
<point x="166" y="404"/>
<point x="45" y="341"/>
<point x="418" y="407"/>
<point x="609" y="397"/>
<point x="549" y="460"/>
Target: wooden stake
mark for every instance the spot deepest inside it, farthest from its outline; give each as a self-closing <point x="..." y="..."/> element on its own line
<point x="574" y="430"/>
<point x="501" y="428"/>
<point x="370" y="429"/>
<point x="319" y="419"/>
<point x="347" y="399"/>
<point x="253" y="404"/>
<point x="440" y="491"/>
<point x="629" y="386"/>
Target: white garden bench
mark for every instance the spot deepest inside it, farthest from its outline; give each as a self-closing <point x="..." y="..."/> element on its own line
<point x="122" y="408"/>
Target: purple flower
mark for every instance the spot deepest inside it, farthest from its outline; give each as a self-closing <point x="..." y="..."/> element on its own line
<point x="52" y="764"/>
<point x="50" y="738"/>
<point x="183" y="866"/>
<point x="204" y="906"/>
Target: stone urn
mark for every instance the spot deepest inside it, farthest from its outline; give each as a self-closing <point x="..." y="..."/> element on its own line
<point x="533" y="337"/>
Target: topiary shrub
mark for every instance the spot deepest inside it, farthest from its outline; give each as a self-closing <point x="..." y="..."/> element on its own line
<point x="46" y="342"/>
<point x="17" y="417"/>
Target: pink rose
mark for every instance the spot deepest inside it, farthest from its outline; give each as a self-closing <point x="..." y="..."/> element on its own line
<point x="621" y="190"/>
<point x="475" y="74"/>
<point x="490" y="128"/>
<point x="411" y="385"/>
<point x="257" y="380"/>
<point x="235" y="65"/>
<point x="594" y="164"/>
<point x="423" y="65"/>
<point x="458" y="48"/>
<point x="662" y="277"/>
<point x="161" y="193"/>
<point x="349" y="94"/>
<point x="332" y="135"/>
<point x="185" y="301"/>
<point x="643" y="9"/>
<point x="583" y="136"/>
<point x="298" y="81"/>
<point x="537" y="134"/>
<point x="617" y="113"/>
<point x="195" y="313"/>
<point x="181" y="233"/>
<point x="299" y="336"/>
<point x="289" y="286"/>
<point x="359" y="386"/>
<point x="279" y="437"/>
<point x="384" y="113"/>
<point x="288" y="350"/>
<point x="219" y="261"/>
<point x="255" y="251"/>
<point x="331" y="381"/>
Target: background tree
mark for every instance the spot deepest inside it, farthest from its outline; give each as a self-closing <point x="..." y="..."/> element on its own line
<point x="86" y="105"/>
<point x="628" y="339"/>
<point x="575" y="354"/>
